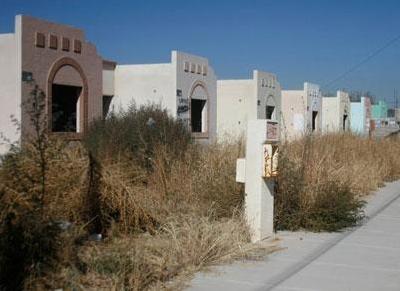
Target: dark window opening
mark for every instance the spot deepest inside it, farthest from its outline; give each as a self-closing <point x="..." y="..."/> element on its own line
<point x="344" y="122"/>
<point x="198" y="115"/>
<point x="65" y="108"/>
<point x="314" y="120"/>
<point x="106" y="105"/>
<point x="269" y="111"/>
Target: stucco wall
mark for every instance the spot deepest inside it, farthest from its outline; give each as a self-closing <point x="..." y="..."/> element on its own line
<point x="143" y="85"/>
<point x="160" y="84"/>
<point x="235" y="98"/>
<point x="333" y="110"/>
<point x="10" y="102"/>
<point x="357" y="117"/>
<point x="40" y="60"/>
<point x="243" y="100"/>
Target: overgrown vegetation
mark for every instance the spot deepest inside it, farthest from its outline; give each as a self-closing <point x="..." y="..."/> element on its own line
<point x="164" y="207"/>
<point x="138" y="204"/>
<point x="323" y="179"/>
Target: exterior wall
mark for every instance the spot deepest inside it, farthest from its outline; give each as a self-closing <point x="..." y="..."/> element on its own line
<point x="10" y="102"/>
<point x="202" y="81"/>
<point x="379" y="110"/>
<point x="234" y="100"/>
<point x="44" y="62"/>
<point x="171" y="86"/>
<point x="144" y="84"/>
<point x="243" y="100"/>
<point x="333" y="111"/>
<point x="297" y="110"/>
<point x="361" y="116"/>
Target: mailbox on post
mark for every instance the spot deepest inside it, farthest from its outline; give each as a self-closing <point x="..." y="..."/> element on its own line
<point x="257" y="171"/>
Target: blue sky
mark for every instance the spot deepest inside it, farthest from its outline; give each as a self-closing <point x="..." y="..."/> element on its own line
<point x="303" y="40"/>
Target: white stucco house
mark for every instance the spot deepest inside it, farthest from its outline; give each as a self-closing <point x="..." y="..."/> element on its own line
<point x="243" y="100"/>
<point x="186" y="87"/>
<point x="301" y="111"/>
<point x="336" y="112"/>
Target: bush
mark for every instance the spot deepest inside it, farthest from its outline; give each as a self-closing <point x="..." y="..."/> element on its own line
<point x="323" y="178"/>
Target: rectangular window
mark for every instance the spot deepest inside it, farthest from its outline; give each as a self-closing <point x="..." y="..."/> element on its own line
<point x="65" y="44"/>
<point x="77" y="46"/>
<point x="204" y="70"/>
<point x="53" y="42"/>
<point x="192" y="68"/>
<point x="40" y="39"/>
<point x="198" y="69"/>
<point x="186" y="67"/>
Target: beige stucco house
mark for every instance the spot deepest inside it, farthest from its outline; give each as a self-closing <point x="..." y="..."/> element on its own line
<point x="186" y="86"/>
<point x="243" y="100"/>
<point x="301" y="111"/>
<point x="336" y="112"/>
<point x="64" y="65"/>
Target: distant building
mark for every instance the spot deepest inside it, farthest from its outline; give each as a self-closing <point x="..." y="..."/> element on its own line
<point x="243" y="100"/>
<point x="186" y="87"/>
<point x="380" y="110"/>
<point x="336" y="113"/>
<point x="58" y="58"/>
<point x="361" y="113"/>
<point x="301" y="111"/>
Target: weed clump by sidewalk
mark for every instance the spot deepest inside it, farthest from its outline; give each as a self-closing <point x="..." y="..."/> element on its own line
<point x="323" y="179"/>
<point x="134" y="206"/>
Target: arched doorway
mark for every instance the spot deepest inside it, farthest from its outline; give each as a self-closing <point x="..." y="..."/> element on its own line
<point x="67" y="98"/>
<point x="199" y="109"/>
<point x="270" y="108"/>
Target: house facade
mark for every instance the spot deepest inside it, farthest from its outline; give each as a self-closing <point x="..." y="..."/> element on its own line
<point x="243" y="100"/>
<point x="64" y="66"/>
<point x="186" y="87"/>
<point x="361" y="113"/>
<point x="336" y="112"/>
<point x="301" y="111"/>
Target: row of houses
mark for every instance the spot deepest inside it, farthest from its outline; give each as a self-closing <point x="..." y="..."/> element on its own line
<point x="80" y="86"/>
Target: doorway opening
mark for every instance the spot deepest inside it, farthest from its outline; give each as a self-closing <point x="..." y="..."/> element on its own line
<point x="106" y="105"/>
<point x="198" y="115"/>
<point x="269" y="112"/>
<point x="65" y="108"/>
<point x="314" y="120"/>
<point x="344" y="122"/>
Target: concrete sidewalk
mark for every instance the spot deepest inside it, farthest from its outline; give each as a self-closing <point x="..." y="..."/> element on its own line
<point x="363" y="258"/>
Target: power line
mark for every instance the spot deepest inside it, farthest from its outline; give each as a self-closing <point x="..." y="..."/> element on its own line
<point x="362" y="62"/>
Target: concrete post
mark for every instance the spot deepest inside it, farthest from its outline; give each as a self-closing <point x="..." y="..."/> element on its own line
<point x="257" y="171"/>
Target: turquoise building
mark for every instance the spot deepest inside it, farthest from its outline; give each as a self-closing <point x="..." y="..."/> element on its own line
<point x="380" y="110"/>
<point x="361" y="116"/>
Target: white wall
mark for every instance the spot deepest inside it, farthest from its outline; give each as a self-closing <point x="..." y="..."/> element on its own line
<point x="10" y="103"/>
<point x="188" y="81"/>
<point x="234" y="105"/>
<point x="108" y="83"/>
<point x="243" y="100"/>
<point x="144" y="84"/>
<point x="334" y="108"/>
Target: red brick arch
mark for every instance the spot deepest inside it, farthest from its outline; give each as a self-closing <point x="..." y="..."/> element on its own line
<point x="57" y="65"/>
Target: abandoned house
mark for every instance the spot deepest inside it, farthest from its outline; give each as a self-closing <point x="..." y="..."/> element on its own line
<point x="186" y="87"/>
<point x="336" y="112"/>
<point x="301" y="111"/>
<point x="361" y="113"/>
<point x="243" y="100"/>
<point x="75" y="80"/>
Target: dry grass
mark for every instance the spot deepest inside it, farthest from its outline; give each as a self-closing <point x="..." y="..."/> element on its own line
<point x="165" y="212"/>
<point x="323" y="178"/>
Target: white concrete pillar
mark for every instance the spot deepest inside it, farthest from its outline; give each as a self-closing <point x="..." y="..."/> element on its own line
<point x="259" y="200"/>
